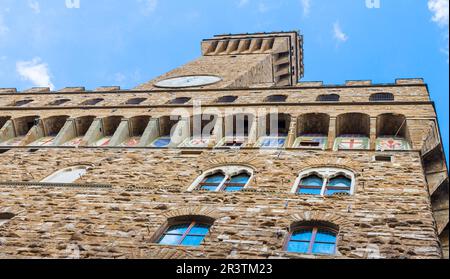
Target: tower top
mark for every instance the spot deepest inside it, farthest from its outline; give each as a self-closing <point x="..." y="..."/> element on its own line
<point x="285" y="47"/>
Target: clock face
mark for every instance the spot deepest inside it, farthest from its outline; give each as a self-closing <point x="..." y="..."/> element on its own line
<point x="188" y="81"/>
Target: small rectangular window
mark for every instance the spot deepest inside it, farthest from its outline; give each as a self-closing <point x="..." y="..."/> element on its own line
<point x="383" y="158"/>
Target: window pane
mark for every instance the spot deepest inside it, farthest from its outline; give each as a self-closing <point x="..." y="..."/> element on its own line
<point x="340" y="181"/>
<point x="298" y="247"/>
<point x="199" y="229"/>
<point x="170" y="240"/>
<point x="178" y="229"/>
<point x="308" y="191"/>
<point x="192" y="240"/>
<point x="215" y="178"/>
<point x="303" y="235"/>
<point x="233" y="189"/>
<point x="242" y="178"/>
<point x="325" y="236"/>
<point x="312" y="180"/>
<point x="322" y="248"/>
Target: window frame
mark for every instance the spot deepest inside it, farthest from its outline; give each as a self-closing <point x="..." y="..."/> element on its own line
<point x="314" y="228"/>
<point x="326" y="174"/>
<point x="382" y="97"/>
<point x="228" y="172"/>
<point x="191" y="224"/>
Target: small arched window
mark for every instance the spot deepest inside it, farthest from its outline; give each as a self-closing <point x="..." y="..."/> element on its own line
<point x="328" y="98"/>
<point x="22" y="103"/>
<point x="185" y="232"/>
<point x="325" y="182"/>
<point x="276" y="99"/>
<point x="58" y="102"/>
<point x="226" y="99"/>
<point x="312" y="239"/>
<point x="382" y="97"/>
<point x="226" y="179"/>
<point x="92" y="102"/>
<point x="135" y="101"/>
<point x="68" y="175"/>
<point x="179" y="101"/>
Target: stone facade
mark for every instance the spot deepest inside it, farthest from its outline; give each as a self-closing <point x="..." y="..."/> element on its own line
<point x="120" y="207"/>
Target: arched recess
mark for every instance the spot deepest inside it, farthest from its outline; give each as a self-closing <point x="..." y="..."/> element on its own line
<point x="392" y="132"/>
<point x="67" y="175"/>
<point x="15" y="130"/>
<point x="47" y="131"/>
<point x="202" y="128"/>
<point x="236" y="130"/>
<point x="74" y="131"/>
<point x="312" y="131"/>
<point x="352" y="132"/>
<point x="273" y="130"/>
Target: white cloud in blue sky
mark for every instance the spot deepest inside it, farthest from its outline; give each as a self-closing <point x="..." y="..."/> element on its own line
<point x="339" y="35"/>
<point x="242" y="3"/>
<point x="35" y="71"/>
<point x="439" y="8"/>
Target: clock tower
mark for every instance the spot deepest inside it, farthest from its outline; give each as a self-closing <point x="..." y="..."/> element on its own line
<point x="239" y="60"/>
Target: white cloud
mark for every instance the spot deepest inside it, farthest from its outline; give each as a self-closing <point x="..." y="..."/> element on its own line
<point x="35" y="71"/>
<point x="148" y="6"/>
<point x="338" y="33"/>
<point x="306" y="5"/>
<point x="242" y="3"/>
<point x="439" y="8"/>
<point x="34" y="5"/>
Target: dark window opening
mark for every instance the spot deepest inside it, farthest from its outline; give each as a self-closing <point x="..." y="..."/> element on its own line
<point x="227" y="99"/>
<point x="380" y="97"/>
<point x="328" y="98"/>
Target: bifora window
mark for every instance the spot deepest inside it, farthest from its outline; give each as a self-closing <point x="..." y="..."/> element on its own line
<point x="313" y="239"/>
<point x="226" y="179"/>
<point x="185" y="234"/>
<point x="325" y="182"/>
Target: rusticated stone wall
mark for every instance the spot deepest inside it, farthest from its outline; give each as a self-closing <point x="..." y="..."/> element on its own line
<point x="389" y="216"/>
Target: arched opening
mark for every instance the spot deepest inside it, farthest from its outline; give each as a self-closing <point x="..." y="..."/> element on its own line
<point x="201" y="130"/>
<point x="274" y="130"/>
<point x="92" y="102"/>
<point x="67" y="175"/>
<point x="352" y="131"/>
<point x="276" y="99"/>
<point x="14" y="134"/>
<point x="229" y="178"/>
<point x="109" y="127"/>
<point x="135" y="101"/>
<point x="392" y="132"/>
<point x="50" y="129"/>
<point x="328" y="98"/>
<point x="179" y="101"/>
<point x="382" y="97"/>
<point x="137" y="126"/>
<point x="312" y="131"/>
<point x="58" y="102"/>
<point x="236" y="130"/>
<point x="325" y="182"/>
<point x="78" y="129"/>
<point x="226" y="99"/>
<point x="167" y="124"/>
<point x="22" y="103"/>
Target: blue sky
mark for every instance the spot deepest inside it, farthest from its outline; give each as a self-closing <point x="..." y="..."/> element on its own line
<point x="117" y="42"/>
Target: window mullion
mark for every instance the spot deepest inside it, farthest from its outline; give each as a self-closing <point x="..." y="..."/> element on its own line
<point x="313" y="239"/>
<point x="324" y="186"/>
<point x="222" y="184"/>
<point x="186" y="233"/>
